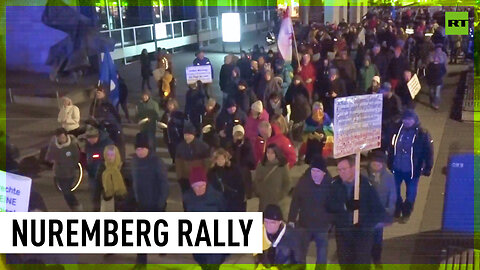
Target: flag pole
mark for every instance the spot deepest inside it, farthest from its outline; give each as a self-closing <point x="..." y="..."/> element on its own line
<point x="295" y="42"/>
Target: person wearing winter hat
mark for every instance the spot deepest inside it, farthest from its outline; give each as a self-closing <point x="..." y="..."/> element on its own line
<point x="97" y="140"/>
<point x="203" y="197"/>
<point x="391" y="112"/>
<point x="402" y="89"/>
<point x="148" y="113"/>
<point x="150" y="182"/>
<point x="308" y="212"/>
<point x="375" y="85"/>
<point x="384" y="183"/>
<point x="191" y="152"/>
<point x="367" y="72"/>
<point x="280" y="242"/>
<point x="409" y="156"/>
<point x="64" y="152"/>
<point x="209" y="133"/>
<point x="227" y="119"/>
<point x="257" y="115"/>
<point x="243" y="157"/>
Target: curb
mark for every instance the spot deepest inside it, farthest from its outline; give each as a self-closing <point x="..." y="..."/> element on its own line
<point x="77" y="97"/>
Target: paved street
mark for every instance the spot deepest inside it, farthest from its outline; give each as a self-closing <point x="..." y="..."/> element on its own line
<point x="30" y="127"/>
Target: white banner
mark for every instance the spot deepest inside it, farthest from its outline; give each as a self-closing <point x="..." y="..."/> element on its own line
<point x="414" y="86"/>
<point x="138" y="232"/>
<point x="14" y="192"/>
<point x="202" y="73"/>
<point x="358" y="124"/>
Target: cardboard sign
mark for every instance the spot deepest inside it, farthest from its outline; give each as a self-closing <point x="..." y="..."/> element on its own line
<point x="14" y="192"/>
<point x="358" y="124"/>
<point x="414" y="86"/>
<point x="202" y="73"/>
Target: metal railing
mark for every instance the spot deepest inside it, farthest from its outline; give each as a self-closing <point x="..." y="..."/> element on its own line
<point x="129" y="41"/>
<point x="456" y="258"/>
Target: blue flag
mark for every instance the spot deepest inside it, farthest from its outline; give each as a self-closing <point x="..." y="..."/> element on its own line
<point x="108" y="77"/>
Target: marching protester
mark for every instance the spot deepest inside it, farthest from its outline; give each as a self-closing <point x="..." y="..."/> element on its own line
<point x="97" y="140"/>
<point x="298" y="98"/>
<point x="435" y="71"/>
<point x="402" y="90"/>
<point x="227" y="178"/>
<point x="209" y="123"/>
<point x="148" y="114"/>
<point x="106" y="116"/>
<point x="69" y="117"/>
<point x="243" y="157"/>
<point x="272" y="134"/>
<point x="203" y="197"/>
<point x="191" y="152"/>
<point x="244" y="96"/>
<point x="172" y="123"/>
<point x="201" y="60"/>
<point x="111" y="174"/>
<point x="195" y="104"/>
<point x="409" y="156"/>
<point x="308" y="210"/>
<point x="257" y="115"/>
<point x="354" y="241"/>
<point x="272" y="181"/>
<point x="281" y="245"/>
<point x="123" y="96"/>
<point x="314" y="135"/>
<point x="146" y="69"/>
<point x="150" y="184"/>
<point x="383" y="182"/>
<point x="229" y="117"/>
<point x="391" y="113"/>
<point x="63" y="151"/>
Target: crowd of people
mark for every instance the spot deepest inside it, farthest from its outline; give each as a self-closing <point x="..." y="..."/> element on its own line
<point x="273" y="115"/>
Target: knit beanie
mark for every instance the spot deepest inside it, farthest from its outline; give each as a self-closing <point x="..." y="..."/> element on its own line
<point x="238" y="128"/>
<point x="273" y="212"/>
<point x="188" y="128"/>
<point x="319" y="163"/>
<point x="257" y="106"/>
<point x="197" y="176"/>
<point x="377" y="155"/>
<point x="141" y="141"/>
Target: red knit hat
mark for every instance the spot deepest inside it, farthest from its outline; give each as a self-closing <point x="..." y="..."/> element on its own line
<point x="197" y="174"/>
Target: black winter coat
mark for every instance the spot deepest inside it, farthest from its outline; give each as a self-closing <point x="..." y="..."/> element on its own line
<point x="195" y="106"/>
<point x="397" y="66"/>
<point x="309" y="203"/>
<point x="228" y="181"/>
<point x="245" y="99"/>
<point x="95" y="154"/>
<point x="150" y="183"/>
<point x="434" y="73"/>
<point x="226" y="121"/>
<point x="341" y="205"/>
<point x="173" y="134"/>
<point x="225" y="76"/>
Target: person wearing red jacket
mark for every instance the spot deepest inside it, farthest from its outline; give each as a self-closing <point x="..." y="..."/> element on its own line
<point x="271" y="134"/>
<point x="308" y="74"/>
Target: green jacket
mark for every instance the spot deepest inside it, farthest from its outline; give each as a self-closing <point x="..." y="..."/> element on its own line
<point x="150" y="110"/>
<point x="366" y="75"/>
<point x="272" y="185"/>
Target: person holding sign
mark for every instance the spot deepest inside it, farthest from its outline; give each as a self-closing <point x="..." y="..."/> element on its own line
<point x="402" y="89"/>
<point x="201" y="60"/>
<point x="410" y="156"/>
<point x="354" y="241"/>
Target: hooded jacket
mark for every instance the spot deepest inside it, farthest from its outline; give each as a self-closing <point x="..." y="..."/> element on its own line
<point x="279" y="139"/>
<point x="150" y="184"/>
<point x="65" y="157"/>
<point x="421" y="158"/>
<point x="69" y="117"/>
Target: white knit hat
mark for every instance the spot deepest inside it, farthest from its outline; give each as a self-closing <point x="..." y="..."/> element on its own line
<point x="238" y="128"/>
<point x="257" y="106"/>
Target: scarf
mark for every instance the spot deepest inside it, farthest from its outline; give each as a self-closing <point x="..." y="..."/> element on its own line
<point x="112" y="179"/>
<point x="66" y="144"/>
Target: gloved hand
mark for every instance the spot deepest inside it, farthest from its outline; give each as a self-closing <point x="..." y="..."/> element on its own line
<point x="427" y="173"/>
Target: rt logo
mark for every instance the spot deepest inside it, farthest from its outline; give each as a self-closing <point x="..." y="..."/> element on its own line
<point x="456" y="23"/>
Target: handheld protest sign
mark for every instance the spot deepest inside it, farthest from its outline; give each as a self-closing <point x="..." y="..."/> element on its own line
<point x="199" y="73"/>
<point x="14" y="192"/>
<point x="414" y="86"/>
<point x="358" y="127"/>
